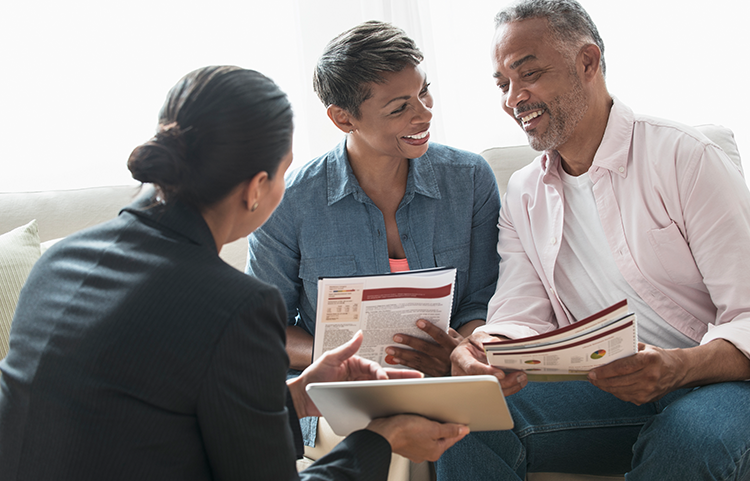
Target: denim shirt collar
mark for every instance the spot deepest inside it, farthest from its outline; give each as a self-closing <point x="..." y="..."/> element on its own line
<point x="342" y="182"/>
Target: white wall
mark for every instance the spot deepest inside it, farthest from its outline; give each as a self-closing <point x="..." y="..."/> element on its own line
<point x="82" y="80"/>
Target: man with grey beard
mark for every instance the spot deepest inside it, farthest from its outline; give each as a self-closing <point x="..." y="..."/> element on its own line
<point x="618" y="206"/>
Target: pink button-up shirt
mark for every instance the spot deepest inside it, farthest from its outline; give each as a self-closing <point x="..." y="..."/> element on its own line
<point x="676" y="214"/>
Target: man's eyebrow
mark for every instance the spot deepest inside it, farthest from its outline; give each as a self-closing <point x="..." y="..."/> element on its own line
<point x="516" y="64"/>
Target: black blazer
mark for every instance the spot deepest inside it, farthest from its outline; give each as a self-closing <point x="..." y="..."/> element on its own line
<point x="136" y="353"/>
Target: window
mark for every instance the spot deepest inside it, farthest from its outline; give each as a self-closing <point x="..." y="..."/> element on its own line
<point x="82" y="80"/>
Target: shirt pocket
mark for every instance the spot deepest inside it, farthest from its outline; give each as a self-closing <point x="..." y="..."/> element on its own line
<point x="457" y="257"/>
<point x="674" y="254"/>
<point x="311" y="269"/>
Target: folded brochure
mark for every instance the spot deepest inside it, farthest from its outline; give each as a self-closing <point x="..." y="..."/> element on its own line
<point x="569" y="352"/>
<point x="381" y="306"/>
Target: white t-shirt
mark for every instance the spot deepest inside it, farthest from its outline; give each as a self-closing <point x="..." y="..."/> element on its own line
<point x="586" y="276"/>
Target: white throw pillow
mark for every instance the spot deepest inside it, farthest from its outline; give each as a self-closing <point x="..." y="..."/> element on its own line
<point x="19" y="250"/>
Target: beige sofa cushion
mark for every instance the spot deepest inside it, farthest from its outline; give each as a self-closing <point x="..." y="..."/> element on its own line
<point x="60" y="213"/>
<point x="19" y="250"/>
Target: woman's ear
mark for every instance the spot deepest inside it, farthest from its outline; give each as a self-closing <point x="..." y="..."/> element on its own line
<point x="254" y="190"/>
<point x="340" y="118"/>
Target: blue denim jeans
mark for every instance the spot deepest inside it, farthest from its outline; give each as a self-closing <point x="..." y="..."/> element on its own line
<point x="574" y="427"/>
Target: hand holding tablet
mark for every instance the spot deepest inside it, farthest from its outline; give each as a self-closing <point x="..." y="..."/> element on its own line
<point x="475" y="401"/>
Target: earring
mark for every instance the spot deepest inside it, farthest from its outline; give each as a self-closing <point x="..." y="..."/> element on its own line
<point x="351" y="131"/>
<point x="254" y="207"/>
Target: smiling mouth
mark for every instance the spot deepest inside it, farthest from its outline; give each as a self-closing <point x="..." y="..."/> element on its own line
<point x="528" y="118"/>
<point x="418" y="136"/>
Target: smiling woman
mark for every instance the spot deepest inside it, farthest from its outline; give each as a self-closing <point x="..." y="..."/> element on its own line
<point x="387" y="183"/>
<point x="385" y="199"/>
<point x="80" y="74"/>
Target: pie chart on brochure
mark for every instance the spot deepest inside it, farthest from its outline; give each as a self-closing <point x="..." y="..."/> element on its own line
<point x="598" y="354"/>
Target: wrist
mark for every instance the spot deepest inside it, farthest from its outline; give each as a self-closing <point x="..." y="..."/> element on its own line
<point x="387" y="429"/>
<point x="296" y="388"/>
<point x="717" y="361"/>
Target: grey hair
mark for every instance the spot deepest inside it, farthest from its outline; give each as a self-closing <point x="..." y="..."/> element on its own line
<point x="569" y="23"/>
<point x="358" y="57"/>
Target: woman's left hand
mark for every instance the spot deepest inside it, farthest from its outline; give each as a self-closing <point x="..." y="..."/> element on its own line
<point x="431" y="358"/>
<point x="339" y="364"/>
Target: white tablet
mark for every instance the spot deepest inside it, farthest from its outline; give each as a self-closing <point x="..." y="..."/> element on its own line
<point x="476" y="401"/>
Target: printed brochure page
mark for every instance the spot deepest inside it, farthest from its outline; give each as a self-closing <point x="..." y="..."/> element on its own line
<point x="570" y="352"/>
<point x="381" y="306"/>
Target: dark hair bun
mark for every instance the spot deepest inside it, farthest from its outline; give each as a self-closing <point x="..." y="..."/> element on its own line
<point x="219" y="126"/>
<point x="162" y="160"/>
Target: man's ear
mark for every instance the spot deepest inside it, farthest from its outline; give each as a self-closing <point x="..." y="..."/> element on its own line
<point x="341" y="118"/>
<point x="590" y="56"/>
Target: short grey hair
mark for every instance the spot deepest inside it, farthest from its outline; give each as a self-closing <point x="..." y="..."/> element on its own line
<point x="358" y="57"/>
<point x="569" y="23"/>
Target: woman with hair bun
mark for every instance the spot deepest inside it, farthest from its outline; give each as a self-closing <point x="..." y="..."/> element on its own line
<point x="137" y="353"/>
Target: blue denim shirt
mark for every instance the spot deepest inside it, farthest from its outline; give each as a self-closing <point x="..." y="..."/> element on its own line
<point x="327" y="226"/>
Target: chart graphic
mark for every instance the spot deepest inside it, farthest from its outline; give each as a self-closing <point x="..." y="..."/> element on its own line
<point x="598" y="354"/>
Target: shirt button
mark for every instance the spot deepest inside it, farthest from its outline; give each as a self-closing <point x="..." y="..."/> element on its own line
<point x="554" y="241"/>
<point x="621" y="169"/>
<point x="405" y="236"/>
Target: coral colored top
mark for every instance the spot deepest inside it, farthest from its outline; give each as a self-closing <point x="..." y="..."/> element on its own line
<point x="399" y="265"/>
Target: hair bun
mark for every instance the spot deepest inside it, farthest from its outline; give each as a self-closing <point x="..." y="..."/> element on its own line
<point x="161" y="160"/>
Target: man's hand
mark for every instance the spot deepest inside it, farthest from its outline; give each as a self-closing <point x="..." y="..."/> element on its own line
<point x="339" y="364"/>
<point x="468" y="359"/>
<point x="418" y="438"/>
<point x="653" y="372"/>
<point x="643" y="377"/>
<point x="431" y="358"/>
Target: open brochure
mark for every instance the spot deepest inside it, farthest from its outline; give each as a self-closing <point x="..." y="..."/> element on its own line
<point x="570" y="352"/>
<point x="381" y="306"/>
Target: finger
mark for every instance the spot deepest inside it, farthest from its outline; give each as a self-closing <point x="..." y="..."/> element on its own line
<point x="360" y="368"/>
<point x="467" y="359"/>
<point x="618" y="368"/>
<point x="412" y="356"/>
<point x="420" y="349"/>
<point x="440" y="336"/>
<point x="417" y="344"/>
<point x="600" y="380"/>
<point x="439" y="438"/>
<point x="512" y="382"/>
<point x="346" y="350"/>
<point x="417" y="359"/>
<point x="403" y="374"/>
<point x="451" y="431"/>
<point x="639" y="364"/>
<point x="454" y="334"/>
<point x="508" y="391"/>
<point x="432" y="366"/>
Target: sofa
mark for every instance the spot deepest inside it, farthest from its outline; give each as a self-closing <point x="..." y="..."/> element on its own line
<point x="31" y="221"/>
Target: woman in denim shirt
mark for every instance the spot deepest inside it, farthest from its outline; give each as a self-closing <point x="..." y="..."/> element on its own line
<point x="383" y="200"/>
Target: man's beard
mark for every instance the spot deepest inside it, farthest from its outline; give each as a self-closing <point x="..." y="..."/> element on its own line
<point x="565" y="111"/>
